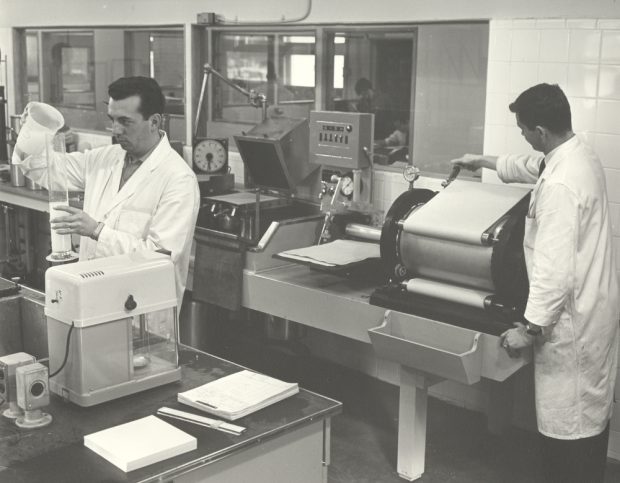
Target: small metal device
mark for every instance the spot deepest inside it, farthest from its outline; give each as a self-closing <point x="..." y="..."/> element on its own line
<point x="456" y="169"/>
<point x="8" y="390"/>
<point x="112" y="326"/>
<point x="33" y="394"/>
<point x="411" y="174"/>
<point x="210" y="155"/>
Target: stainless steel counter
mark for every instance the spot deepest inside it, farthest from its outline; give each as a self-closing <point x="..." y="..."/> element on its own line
<point x="287" y="441"/>
<point x="21" y="196"/>
<point x="34" y="199"/>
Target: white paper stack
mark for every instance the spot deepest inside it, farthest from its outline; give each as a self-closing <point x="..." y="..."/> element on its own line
<point x="140" y="443"/>
<point x="232" y="397"/>
<point x="334" y="254"/>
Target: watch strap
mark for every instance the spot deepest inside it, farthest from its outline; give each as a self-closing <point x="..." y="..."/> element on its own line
<point x="97" y="231"/>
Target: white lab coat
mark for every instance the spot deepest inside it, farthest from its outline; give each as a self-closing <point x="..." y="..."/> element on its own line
<point x="574" y="296"/>
<point x="155" y="209"/>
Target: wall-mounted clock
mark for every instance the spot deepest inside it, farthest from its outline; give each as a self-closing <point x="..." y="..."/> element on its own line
<point x="210" y="155"/>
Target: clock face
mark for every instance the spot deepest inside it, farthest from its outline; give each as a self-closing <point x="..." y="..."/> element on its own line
<point x="210" y="155"/>
<point x="346" y="187"/>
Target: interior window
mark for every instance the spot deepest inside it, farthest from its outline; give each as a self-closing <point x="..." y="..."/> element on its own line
<point x="71" y="70"/>
<point x="372" y="73"/>
<point x="282" y="67"/>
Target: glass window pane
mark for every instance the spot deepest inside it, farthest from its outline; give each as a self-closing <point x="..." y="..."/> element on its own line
<point x="78" y="66"/>
<point x="69" y="77"/>
<point x="32" y="67"/>
<point x="282" y="67"/>
<point x="372" y="73"/>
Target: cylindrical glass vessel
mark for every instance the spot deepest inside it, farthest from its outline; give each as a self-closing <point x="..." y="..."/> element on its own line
<point x="62" y="251"/>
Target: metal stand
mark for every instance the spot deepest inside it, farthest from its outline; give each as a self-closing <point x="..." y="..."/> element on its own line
<point x="33" y="419"/>
<point x="255" y="99"/>
<point x="13" y="411"/>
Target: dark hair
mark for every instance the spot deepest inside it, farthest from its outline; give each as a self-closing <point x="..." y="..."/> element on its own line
<point x="543" y="105"/>
<point x="362" y="85"/>
<point x="152" y="100"/>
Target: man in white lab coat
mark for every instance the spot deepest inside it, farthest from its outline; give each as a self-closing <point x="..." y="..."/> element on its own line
<point x="571" y="317"/>
<point x="139" y="194"/>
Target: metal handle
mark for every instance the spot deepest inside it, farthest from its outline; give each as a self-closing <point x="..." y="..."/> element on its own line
<point x="456" y="169"/>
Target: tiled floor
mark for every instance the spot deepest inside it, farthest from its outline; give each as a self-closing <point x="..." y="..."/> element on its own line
<point x="459" y="448"/>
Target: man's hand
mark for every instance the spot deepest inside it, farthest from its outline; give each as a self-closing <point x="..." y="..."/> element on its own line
<point x="75" y="222"/>
<point x="513" y="340"/>
<point x="474" y="162"/>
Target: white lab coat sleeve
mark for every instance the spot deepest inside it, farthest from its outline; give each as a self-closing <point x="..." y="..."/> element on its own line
<point x="518" y="168"/>
<point x="553" y="269"/>
<point x="35" y="168"/>
<point x="172" y="223"/>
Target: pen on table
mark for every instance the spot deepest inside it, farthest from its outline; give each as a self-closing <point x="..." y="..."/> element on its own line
<point x="201" y="420"/>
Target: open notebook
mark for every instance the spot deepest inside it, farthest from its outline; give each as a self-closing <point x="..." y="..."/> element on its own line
<point x="140" y="443"/>
<point x="232" y="397"/>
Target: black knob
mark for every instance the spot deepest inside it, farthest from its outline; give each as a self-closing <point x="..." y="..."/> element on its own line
<point x="130" y="303"/>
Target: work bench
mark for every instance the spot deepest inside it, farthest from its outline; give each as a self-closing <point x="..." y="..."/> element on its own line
<point x="288" y="441"/>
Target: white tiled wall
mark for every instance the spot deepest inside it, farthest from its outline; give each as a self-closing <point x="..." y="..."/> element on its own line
<point x="583" y="57"/>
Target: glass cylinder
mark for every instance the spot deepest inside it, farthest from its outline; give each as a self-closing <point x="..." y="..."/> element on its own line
<point x="62" y="250"/>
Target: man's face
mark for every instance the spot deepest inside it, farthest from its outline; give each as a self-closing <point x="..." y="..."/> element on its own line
<point x="532" y="136"/>
<point x="133" y="132"/>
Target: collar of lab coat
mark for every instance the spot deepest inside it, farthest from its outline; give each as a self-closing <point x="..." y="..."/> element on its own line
<point x="556" y="155"/>
<point x="150" y="164"/>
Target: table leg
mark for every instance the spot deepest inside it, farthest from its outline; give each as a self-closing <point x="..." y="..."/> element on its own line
<point x="412" y="424"/>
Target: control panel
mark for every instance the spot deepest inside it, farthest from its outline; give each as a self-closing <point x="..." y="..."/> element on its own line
<point x="338" y="139"/>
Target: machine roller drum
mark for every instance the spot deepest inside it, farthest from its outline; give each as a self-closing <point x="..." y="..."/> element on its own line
<point x="508" y="261"/>
<point x="390" y="232"/>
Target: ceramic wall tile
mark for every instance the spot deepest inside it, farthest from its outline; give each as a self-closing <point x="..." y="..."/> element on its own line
<point x="581" y="23"/>
<point x="583" y="112"/>
<point x="524" y="23"/>
<point x="498" y="76"/>
<point x="499" y="44"/>
<point x="553" y="73"/>
<point x="501" y="23"/>
<point x="522" y="76"/>
<point x="609" y="82"/>
<point x="495" y="139"/>
<point x="582" y="80"/>
<point x="553" y="45"/>
<point x="608" y="24"/>
<point x="608" y="117"/>
<point x="607" y="146"/>
<point x="497" y="111"/>
<point x="525" y="45"/>
<point x="584" y="46"/>
<point x="610" y="48"/>
<point x="550" y="23"/>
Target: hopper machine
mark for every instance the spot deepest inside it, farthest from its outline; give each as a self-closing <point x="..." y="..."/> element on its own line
<point x="448" y="277"/>
<point x="430" y="287"/>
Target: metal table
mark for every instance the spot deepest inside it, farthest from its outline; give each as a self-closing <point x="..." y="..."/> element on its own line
<point x="288" y="441"/>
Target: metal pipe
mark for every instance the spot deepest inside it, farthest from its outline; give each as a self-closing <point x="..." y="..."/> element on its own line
<point x="364" y="232"/>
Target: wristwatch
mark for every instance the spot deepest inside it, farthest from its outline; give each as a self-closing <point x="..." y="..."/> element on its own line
<point x="97" y="232"/>
<point x="533" y="329"/>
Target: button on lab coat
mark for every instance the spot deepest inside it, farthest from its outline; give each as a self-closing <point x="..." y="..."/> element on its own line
<point x="155" y="209"/>
<point x="569" y="254"/>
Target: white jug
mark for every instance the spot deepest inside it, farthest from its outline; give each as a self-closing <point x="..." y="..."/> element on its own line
<point x="39" y="119"/>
